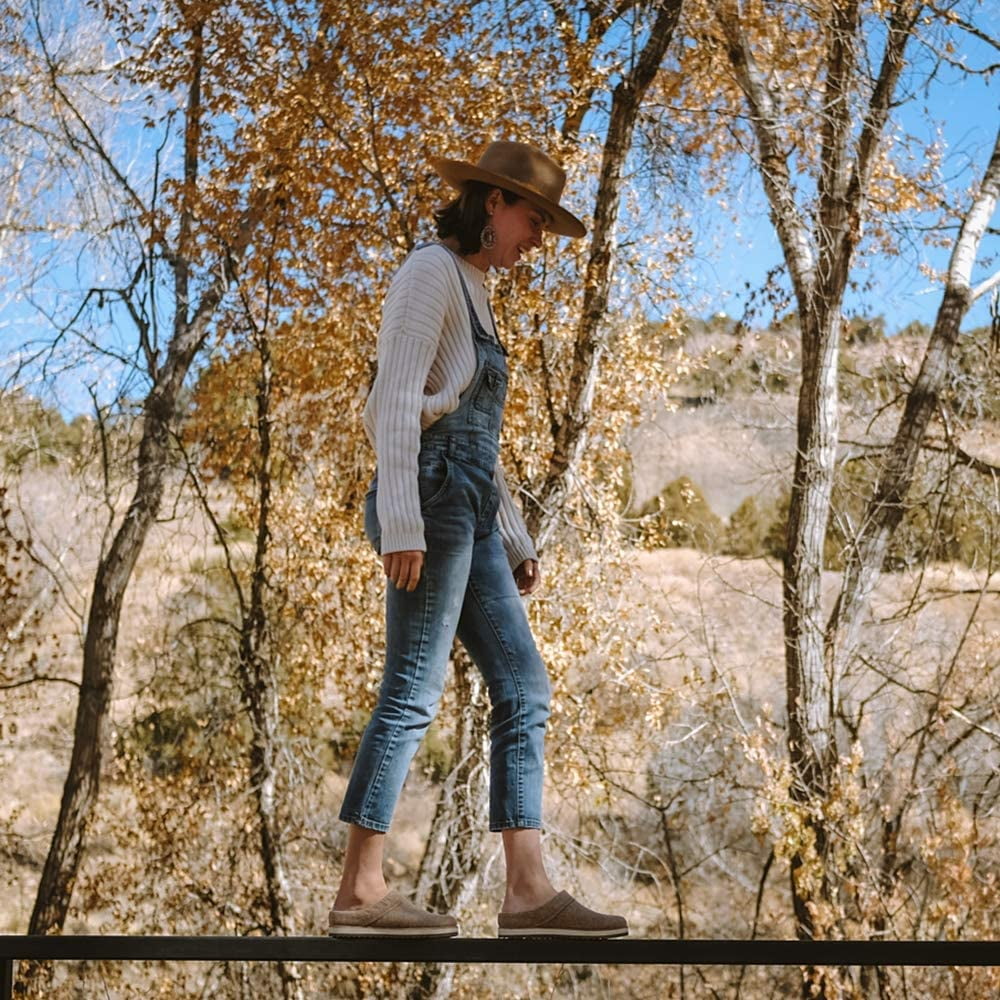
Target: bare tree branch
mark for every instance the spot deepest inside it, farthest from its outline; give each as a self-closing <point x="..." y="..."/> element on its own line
<point x="985" y="287"/>
<point x="886" y="507"/>
<point x="765" y="118"/>
<point x="949" y="15"/>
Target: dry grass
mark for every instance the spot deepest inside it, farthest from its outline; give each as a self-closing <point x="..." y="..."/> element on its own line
<point x="724" y="641"/>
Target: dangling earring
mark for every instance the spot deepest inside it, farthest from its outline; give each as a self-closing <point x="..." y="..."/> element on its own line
<point x="488" y="237"/>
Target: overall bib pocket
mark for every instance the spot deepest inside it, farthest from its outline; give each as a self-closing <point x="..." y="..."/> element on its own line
<point x="488" y="398"/>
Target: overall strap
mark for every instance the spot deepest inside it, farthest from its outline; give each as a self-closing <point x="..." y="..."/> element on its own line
<point x="473" y="315"/>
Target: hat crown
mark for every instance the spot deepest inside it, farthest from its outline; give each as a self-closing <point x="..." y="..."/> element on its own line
<point x="526" y="165"/>
<point x="522" y="170"/>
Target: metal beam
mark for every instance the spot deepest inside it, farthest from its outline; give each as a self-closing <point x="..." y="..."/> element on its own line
<point x="635" y="951"/>
<point x="540" y="951"/>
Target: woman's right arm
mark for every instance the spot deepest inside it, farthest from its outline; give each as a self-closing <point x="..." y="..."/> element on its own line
<point x="412" y="321"/>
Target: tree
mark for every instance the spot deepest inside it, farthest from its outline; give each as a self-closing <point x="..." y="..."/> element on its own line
<point x="832" y="72"/>
<point x="336" y="244"/>
<point x="887" y="503"/>
<point x="570" y="408"/>
<point x="256" y="658"/>
<point x="571" y="423"/>
<point x="203" y="263"/>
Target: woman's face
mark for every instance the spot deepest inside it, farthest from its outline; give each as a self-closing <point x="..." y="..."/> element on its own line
<point x="519" y="228"/>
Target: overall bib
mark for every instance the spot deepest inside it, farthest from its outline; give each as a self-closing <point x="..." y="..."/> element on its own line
<point x="466" y="588"/>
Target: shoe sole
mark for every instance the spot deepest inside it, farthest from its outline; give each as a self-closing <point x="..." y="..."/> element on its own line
<point x="391" y="932"/>
<point x="550" y="932"/>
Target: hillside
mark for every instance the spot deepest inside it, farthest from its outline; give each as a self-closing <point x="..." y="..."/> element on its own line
<point x="730" y="425"/>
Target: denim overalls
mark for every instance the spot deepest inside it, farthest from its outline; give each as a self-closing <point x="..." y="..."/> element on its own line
<point x="467" y="589"/>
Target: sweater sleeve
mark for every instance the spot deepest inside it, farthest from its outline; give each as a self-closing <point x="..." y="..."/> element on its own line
<point x="516" y="540"/>
<point x="412" y="321"/>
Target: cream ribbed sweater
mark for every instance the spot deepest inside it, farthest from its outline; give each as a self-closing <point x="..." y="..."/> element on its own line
<point x="426" y="358"/>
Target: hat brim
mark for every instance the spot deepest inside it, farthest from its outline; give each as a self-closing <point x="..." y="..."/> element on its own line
<point x="457" y="172"/>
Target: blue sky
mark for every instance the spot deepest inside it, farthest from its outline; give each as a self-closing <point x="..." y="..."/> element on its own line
<point x="967" y="110"/>
<point x="726" y="260"/>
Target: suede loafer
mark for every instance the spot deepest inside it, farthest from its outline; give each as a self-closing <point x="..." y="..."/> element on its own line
<point x="392" y="916"/>
<point x="561" y="916"/>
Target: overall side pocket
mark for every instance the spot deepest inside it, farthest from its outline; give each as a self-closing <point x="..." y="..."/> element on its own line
<point x="372" y="530"/>
<point x="433" y="479"/>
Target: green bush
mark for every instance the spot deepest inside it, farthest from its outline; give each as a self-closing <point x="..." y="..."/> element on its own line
<point x="864" y="330"/>
<point x="946" y="518"/>
<point x="679" y="517"/>
<point x="747" y="531"/>
<point x="30" y="431"/>
<point x="167" y="740"/>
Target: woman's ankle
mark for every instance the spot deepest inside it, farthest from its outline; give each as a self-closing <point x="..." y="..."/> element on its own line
<point x="527" y="894"/>
<point x="356" y="893"/>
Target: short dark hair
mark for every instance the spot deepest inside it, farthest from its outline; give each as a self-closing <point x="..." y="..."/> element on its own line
<point x="465" y="216"/>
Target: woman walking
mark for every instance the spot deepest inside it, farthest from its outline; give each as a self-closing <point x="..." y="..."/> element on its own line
<point x="455" y="550"/>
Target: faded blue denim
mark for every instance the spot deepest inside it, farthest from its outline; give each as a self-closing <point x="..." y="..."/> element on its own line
<point x="466" y="589"/>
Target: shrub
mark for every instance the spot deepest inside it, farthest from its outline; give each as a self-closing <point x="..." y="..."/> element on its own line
<point x="679" y="517"/>
<point x="30" y="431"/>
<point x="167" y="740"/>
<point x="945" y="519"/>
<point x="747" y="531"/>
<point x="973" y="384"/>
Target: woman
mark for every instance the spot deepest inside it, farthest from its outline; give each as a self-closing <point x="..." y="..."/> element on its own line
<point x="455" y="549"/>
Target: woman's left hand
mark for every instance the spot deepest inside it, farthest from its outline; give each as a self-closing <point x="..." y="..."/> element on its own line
<point x="527" y="577"/>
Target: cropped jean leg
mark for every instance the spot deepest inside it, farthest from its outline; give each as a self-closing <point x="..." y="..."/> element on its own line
<point x="494" y="629"/>
<point x="420" y="630"/>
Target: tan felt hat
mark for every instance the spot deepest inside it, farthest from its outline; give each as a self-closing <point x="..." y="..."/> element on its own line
<point x="522" y="170"/>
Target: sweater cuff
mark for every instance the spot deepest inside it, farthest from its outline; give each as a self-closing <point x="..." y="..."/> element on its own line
<point x="518" y="549"/>
<point x="401" y="540"/>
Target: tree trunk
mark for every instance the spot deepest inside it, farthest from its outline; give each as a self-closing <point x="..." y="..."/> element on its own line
<point x="260" y="696"/>
<point x="448" y="877"/>
<point x="571" y="434"/>
<point x="819" y="263"/>
<point x="259" y="690"/>
<point x="811" y="746"/>
<point x="454" y="847"/>
<point x="113" y="574"/>
<point x="114" y="570"/>
<point x="886" y="507"/>
<point x="82" y="785"/>
<point x="455" y="842"/>
<point x="810" y="694"/>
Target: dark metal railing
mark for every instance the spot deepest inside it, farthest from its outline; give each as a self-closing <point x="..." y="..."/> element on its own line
<point x="570" y="951"/>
